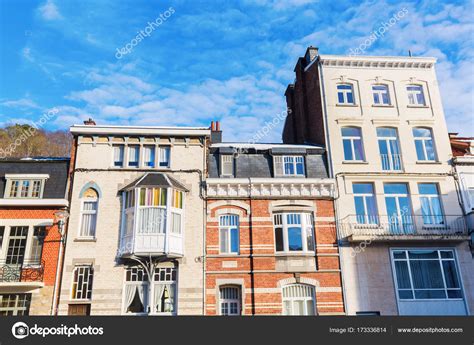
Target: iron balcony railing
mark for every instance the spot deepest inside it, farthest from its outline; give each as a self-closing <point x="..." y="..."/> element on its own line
<point x="15" y="271"/>
<point x="403" y="225"/>
<point x="391" y="162"/>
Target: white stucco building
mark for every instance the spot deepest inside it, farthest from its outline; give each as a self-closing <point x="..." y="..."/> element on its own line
<point x="135" y="234"/>
<point x="404" y="240"/>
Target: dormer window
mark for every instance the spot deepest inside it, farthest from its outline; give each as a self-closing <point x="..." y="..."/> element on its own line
<point x="227" y="165"/>
<point x="289" y="166"/>
<point x="25" y="186"/>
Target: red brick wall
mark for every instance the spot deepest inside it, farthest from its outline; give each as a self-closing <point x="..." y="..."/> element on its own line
<point x="51" y="241"/>
<point x="255" y="265"/>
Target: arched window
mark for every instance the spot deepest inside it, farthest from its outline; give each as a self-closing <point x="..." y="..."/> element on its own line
<point x="424" y="144"/>
<point x="229" y="300"/>
<point x="345" y="94"/>
<point x="89" y="207"/>
<point x="381" y="94"/>
<point x="229" y="234"/>
<point x="416" y="95"/>
<point x="352" y="143"/>
<point x="299" y="299"/>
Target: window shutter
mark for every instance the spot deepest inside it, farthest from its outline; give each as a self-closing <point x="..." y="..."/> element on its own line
<point x="278" y="166"/>
<point x="227" y="165"/>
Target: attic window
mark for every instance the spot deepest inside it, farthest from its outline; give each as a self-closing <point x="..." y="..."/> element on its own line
<point x="25" y="186"/>
<point x="227" y="165"/>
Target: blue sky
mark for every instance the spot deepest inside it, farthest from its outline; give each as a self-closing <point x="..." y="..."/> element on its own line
<point x="221" y="60"/>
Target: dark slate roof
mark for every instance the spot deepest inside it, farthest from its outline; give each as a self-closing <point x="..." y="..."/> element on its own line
<point x="257" y="160"/>
<point x="156" y="179"/>
<point x="56" y="168"/>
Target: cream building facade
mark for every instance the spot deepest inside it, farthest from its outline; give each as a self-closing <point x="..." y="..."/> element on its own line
<point x="135" y="232"/>
<point x="404" y="246"/>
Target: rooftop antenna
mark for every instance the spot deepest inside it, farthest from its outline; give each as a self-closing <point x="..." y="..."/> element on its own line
<point x="409" y="52"/>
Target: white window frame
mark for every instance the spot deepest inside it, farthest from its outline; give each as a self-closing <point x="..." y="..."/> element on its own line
<point x="307" y="224"/>
<point x="96" y="212"/>
<point x="293" y="299"/>
<point x="430" y="198"/>
<point x="160" y="161"/>
<point x="17" y="308"/>
<point x="412" y="95"/>
<point x="229" y="301"/>
<point x="423" y="144"/>
<point x="364" y="197"/>
<point x="380" y="94"/>
<point x="122" y="147"/>
<point x="227" y="161"/>
<point x="440" y="261"/>
<point x="129" y="147"/>
<point x="279" y="165"/>
<point x="5" y="242"/>
<point x="352" y="139"/>
<point x="391" y="156"/>
<point x="11" y="178"/>
<point x="345" y="92"/>
<point x="90" y="273"/>
<point x="225" y="224"/>
<point x="145" y="149"/>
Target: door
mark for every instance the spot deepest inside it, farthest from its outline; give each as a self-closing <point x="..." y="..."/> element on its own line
<point x="79" y="309"/>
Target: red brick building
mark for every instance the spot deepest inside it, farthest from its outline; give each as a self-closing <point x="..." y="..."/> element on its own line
<point x="271" y="245"/>
<point x="32" y="192"/>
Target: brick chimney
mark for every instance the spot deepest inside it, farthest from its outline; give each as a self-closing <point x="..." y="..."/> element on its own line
<point x="216" y="133"/>
<point x="311" y="54"/>
<point x="89" y="122"/>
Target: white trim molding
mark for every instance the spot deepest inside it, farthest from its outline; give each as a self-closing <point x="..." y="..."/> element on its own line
<point x="33" y="202"/>
<point x="270" y="188"/>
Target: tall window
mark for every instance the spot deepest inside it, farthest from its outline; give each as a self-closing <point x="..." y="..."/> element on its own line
<point x="15" y="304"/>
<point x="229" y="234"/>
<point x="352" y="142"/>
<point x="381" y="94"/>
<point x="229" y="300"/>
<point x="426" y="274"/>
<point x="298" y="299"/>
<point x="293" y="232"/>
<point x="430" y="203"/>
<point x="149" y="156"/>
<point x="133" y="156"/>
<point x="399" y="211"/>
<point x="289" y="165"/>
<point x="36" y="248"/>
<point x="164" y="290"/>
<point x="227" y="165"/>
<point x="118" y="155"/>
<point x="17" y="245"/>
<point x="389" y="148"/>
<point x="345" y="94"/>
<point x="164" y="161"/>
<point x="365" y="203"/>
<point x="90" y="201"/>
<point x="424" y="144"/>
<point x="415" y="95"/>
<point x="82" y="282"/>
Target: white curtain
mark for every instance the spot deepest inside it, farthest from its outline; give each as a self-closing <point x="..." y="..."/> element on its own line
<point x="129" y="294"/>
<point x="171" y="293"/>
<point x="159" y="288"/>
<point x="142" y="294"/>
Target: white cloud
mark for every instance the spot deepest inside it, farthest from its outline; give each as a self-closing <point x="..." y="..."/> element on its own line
<point x="49" y="11"/>
<point x="22" y="103"/>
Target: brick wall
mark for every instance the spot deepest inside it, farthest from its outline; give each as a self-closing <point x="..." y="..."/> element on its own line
<point x="256" y="269"/>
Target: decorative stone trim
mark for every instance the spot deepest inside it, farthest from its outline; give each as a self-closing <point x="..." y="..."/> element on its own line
<point x="236" y="203"/>
<point x="302" y="280"/>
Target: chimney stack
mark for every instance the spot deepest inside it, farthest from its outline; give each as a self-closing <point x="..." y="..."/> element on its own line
<point x="311" y="54"/>
<point x="89" y="122"/>
<point x="216" y="133"/>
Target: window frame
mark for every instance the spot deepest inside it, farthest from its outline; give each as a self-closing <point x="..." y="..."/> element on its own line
<point x="146" y="164"/>
<point x="345" y="93"/>
<point x="227" y="160"/>
<point x="229" y="301"/>
<point x="161" y="149"/>
<point x="352" y="139"/>
<point x="90" y="281"/>
<point x="307" y="222"/>
<point x="423" y="141"/>
<point x="129" y="148"/>
<point x="228" y="229"/>
<point x="440" y="260"/>
<point x="31" y="189"/>
<point x="365" y="196"/>
<point x="294" y="299"/>
<point x="413" y="95"/>
<point x="24" y="308"/>
<point x="430" y="198"/>
<point x="85" y="199"/>
<point x="122" y="147"/>
<point x="380" y="94"/>
<point x="392" y="166"/>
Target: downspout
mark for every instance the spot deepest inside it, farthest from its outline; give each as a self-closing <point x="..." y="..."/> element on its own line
<point x="204" y="187"/>
<point x="331" y="175"/>
<point x="252" y="278"/>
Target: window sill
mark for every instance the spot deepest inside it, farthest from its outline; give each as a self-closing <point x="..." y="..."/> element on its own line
<point x="229" y="255"/>
<point x="293" y="254"/>
<point x="417" y="106"/>
<point x="79" y="301"/>
<point x="383" y="106"/>
<point x="428" y="162"/>
<point x="346" y="105"/>
<point x="355" y="162"/>
<point x="85" y="239"/>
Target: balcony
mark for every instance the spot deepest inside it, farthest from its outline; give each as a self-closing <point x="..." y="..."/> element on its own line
<point x="418" y="227"/>
<point x="391" y="162"/>
<point x="25" y="272"/>
<point x="152" y="217"/>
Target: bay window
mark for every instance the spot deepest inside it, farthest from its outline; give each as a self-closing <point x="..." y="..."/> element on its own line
<point x="293" y="232"/>
<point x="298" y="299"/>
<point x="426" y="274"/>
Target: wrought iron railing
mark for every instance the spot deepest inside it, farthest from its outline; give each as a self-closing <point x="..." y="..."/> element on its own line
<point x="391" y="162"/>
<point x="12" y="271"/>
<point x="403" y="225"/>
